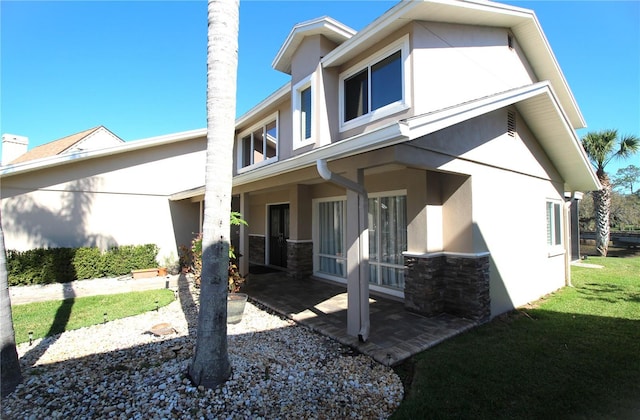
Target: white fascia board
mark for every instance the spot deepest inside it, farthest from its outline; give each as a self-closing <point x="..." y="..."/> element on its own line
<point x="277" y="96"/>
<point x="569" y="149"/>
<point x="424" y="124"/>
<point x="385" y="136"/>
<point x="58" y="160"/>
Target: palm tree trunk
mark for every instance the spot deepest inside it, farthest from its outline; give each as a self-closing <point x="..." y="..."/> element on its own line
<point x="602" y="205"/>
<point x="11" y="375"/>
<point x="210" y="366"/>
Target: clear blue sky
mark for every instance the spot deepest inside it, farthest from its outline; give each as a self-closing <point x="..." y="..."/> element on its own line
<point x="139" y="67"/>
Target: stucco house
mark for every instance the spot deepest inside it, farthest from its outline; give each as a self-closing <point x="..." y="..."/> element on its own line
<point x="428" y="158"/>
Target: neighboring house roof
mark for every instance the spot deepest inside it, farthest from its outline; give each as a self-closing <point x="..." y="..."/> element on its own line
<point x="57" y="160"/>
<point x="60" y="146"/>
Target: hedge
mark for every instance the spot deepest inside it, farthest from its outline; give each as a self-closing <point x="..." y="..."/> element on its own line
<point x="61" y="265"/>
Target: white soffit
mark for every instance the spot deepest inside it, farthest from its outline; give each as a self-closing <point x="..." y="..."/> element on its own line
<point x="522" y="22"/>
<point x="540" y="109"/>
<point x="326" y="26"/>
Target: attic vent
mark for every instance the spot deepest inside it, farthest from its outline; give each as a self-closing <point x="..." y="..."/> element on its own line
<point x="511" y="123"/>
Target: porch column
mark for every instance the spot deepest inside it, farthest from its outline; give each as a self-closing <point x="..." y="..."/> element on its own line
<point x="358" y="263"/>
<point x="244" y="235"/>
<point x="357" y="249"/>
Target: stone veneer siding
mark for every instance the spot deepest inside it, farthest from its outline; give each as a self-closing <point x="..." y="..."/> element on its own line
<point x="256" y="249"/>
<point x="299" y="259"/>
<point x="448" y="283"/>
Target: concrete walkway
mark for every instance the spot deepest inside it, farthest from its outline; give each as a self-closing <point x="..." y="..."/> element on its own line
<point x="80" y="288"/>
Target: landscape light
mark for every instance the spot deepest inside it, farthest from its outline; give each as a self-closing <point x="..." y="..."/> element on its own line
<point x="30" y="337"/>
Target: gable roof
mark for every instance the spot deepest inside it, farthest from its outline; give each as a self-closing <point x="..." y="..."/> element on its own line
<point x="523" y="23"/>
<point x="59" y="146"/>
<point x="329" y="27"/>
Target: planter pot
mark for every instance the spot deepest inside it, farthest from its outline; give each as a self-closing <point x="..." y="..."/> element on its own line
<point x="235" y="307"/>
<point x="144" y="273"/>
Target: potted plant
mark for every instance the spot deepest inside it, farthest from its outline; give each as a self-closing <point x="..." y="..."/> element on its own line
<point x="236" y="301"/>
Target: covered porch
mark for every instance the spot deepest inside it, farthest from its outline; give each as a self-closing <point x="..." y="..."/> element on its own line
<point x="396" y="334"/>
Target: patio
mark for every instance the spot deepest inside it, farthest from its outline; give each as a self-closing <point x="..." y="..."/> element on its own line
<point x="396" y="334"/>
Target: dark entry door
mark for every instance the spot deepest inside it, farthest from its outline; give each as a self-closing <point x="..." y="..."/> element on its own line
<point x="278" y="234"/>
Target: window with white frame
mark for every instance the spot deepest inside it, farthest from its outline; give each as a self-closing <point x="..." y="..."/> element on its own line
<point x="376" y="87"/>
<point x="387" y="240"/>
<point x="259" y="144"/>
<point x="554" y="223"/>
<point x="331" y="257"/>
<point x="303" y="120"/>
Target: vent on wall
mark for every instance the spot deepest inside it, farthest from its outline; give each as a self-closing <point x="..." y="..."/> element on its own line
<point x="511" y="123"/>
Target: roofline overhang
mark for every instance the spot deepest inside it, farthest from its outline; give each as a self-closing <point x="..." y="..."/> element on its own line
<point x="567" y="155"/>
<point x="519" y="20"/>
<point x="52" y="161"/>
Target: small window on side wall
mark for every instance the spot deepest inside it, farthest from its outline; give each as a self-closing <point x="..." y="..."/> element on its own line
<point x="554" y="223"/>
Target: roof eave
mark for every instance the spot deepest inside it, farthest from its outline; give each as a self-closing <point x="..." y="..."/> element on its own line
<point x="329" y="27"/>
<point x="49" y="162"/>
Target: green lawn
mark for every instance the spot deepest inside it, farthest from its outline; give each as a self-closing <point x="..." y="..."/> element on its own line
<point x="53" y="317"/>
<point x="575" y="354"/>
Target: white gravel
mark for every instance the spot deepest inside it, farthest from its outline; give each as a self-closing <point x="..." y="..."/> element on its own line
<point x="119" y="370"/>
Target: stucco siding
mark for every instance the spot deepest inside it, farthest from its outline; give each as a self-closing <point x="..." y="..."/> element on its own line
<point x="457" y="63"/>
<point x="103" y="202"/>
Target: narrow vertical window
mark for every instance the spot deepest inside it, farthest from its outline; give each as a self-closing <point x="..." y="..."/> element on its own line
<point x="305" y="113"/>
<point x="554" y="223"/>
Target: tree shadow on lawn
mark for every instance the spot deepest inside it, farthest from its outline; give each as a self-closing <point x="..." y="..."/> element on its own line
<point x="543" y="364"/>
<point x="609" y="293"/>
<point x="58" y="326"/>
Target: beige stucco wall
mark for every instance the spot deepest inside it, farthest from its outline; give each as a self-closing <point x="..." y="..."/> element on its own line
<point x="115" y="200"/>
<point x="495" y="204"/>
<point x="457" y="63"/>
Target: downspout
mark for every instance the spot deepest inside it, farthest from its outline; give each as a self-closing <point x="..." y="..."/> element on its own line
<point x="566" y="214"/>
<point x="363" y="248"/>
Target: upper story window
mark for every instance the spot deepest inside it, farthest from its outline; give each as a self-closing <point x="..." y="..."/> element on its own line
<point x="375" y="87"/>
<point x="259" y="144"/>
<point x="303" y="118"/>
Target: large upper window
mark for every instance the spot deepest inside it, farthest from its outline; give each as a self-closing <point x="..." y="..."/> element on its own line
<point x="303" y="120"/>
<point x="259" y="144"/>
<point x="376" y="87"/>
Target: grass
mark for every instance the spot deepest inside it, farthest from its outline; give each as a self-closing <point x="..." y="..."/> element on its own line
<point x="54" y="317"/>
<point x="574" y="354"/>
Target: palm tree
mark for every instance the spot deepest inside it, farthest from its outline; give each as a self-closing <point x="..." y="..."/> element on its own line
<point x="210" y="366"/>
<point x="11" y="375"/>
<point x="602" y="147"/>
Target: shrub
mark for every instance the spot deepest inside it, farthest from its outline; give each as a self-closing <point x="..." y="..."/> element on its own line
<point x="41" y="266"/>
<point x="61" y="265"/>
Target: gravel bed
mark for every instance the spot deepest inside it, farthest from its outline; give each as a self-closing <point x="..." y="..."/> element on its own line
<point x="120" y="370"/>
